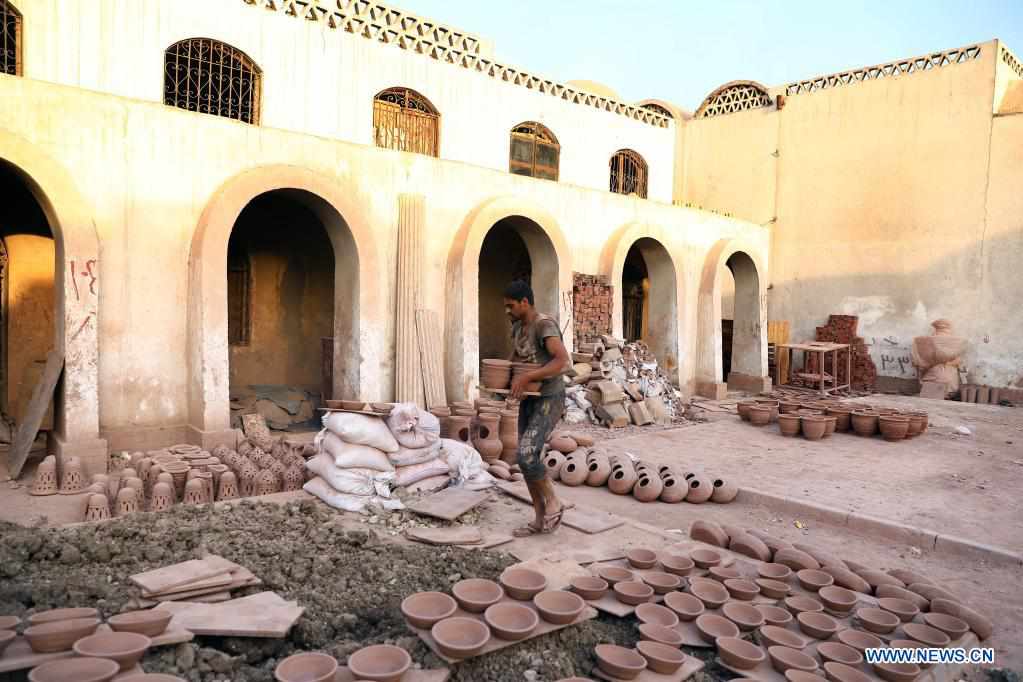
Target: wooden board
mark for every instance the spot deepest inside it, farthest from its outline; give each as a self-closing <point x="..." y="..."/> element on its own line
<point x="264" y="614"/>
<point x="413" y="675"/>
<point x="431" y="359"/>
<point x="167" y="577"/>
<point x="19" y="655"/>
<point x="778" y="334"/>
<point x="690" y="667"/>
<point x="454" y="535"/>
<point x="448" y="504"/>
<point x="589" y="520"/>
<point x="42" y="394"/>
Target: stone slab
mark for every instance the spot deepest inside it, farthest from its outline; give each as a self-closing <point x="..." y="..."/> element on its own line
<point x="167" y="577"/>
<point x="453" y="535"/>
<point x="490" y="541"/>
<point x="215" y="582"/>
<point x="448" y="504"/>
<point x="264" y="614"/>
<point x="690" y="667"/>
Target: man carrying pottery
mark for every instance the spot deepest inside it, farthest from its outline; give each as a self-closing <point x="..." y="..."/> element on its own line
<point x="536" y="338"/>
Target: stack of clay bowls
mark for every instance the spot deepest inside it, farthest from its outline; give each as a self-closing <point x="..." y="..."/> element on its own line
<point x="496" y="373"/>
<point x="523" y="367"/>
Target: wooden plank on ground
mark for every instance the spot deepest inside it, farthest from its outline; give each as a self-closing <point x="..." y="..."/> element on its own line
<point x="27" y="430"/>
<point x="431" y="361"/>
<point x="448" y="504"/>
<point x="778" y="334"/>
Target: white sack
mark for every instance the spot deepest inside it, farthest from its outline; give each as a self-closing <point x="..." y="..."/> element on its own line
<point x="360" y="429"/>
<point x="413" y="427"/>
<point x="346" y="502"/>
<point x="349" y="455"/>
<point x="465" y="465"/>
<point x="404" y="476"/>
<point x="429" y="485"/>
<point x="351" y="481"/>
<point x="406" y="456"/>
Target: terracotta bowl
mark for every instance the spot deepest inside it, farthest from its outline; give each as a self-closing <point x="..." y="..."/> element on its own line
<point x="59" y="635"/>
<point x="817" y="625"/>
<point x="150" y="622"/>
<point x="774" y="615"/>
<point x="722" y="573"/>
<point x="711" y="627"/>
<point x="784" y="658"/>
<point x="897" y="672"/>
<point x="460" y="637"/>
<point x="77" y="669"/>
<point x="840" y="672"/>
<point x="903" y="608"/>
<point x="9" y="622"/>
<point x="677" y="564"/>
<point x="661" y="658"/>
<point x="837" y="598"/>
<point x="661" y="582"/>
<point x="127" y="648"/>
<point x="798" y="605"/>
<point x="686" y="606"/>
<point x="813" y="580"/>
<point x="589" y="588"/>
<point x="379" y="663"/>
<point x="925" y="634"/>
<point x="772" y="635"/>
<point x="705" y="558"/>
<point x="950" y="625"/>
<point x="745" y="590"/>
<point x="712" y="594"/>
<point x="839" y="653"/>
<point x="424" y="609"/>
<point x="632" y="592"/>
<point x="475" y="595"/>
<point x="657" y="614"/>
<point x="658" y="633"/>
<point x="744" y="615"/>
<point x="774" y="571"/>
<point x="511" y="622"/>
<point x="62" y="614"/>
<point x="617" y="661"/>
<point x="614" y="574"/>
<point x="641" y="558"/>
<point x="308" y="666"/>
<point x="333" y="404"/>
<point x="773" y="589"/>
<point x="859" y="640"/>
<point x="740" y="654"/>
<point x="793" y="675"/>
<point x="558" y="606"/>
<point x="352" y="404"/>
<point x="877" y="620"/>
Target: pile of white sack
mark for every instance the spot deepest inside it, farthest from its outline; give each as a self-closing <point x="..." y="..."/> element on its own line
<point x="361" y="458"/>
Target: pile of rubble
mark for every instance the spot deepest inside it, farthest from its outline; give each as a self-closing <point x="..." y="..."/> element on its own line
<point x="617" y="384"/>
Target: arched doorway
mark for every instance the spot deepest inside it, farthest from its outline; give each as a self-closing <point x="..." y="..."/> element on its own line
<point x="747" y="349"/>
<point x="727" y="317"/>
<point x="650" y="302"/>
<point x="280" y="303"/>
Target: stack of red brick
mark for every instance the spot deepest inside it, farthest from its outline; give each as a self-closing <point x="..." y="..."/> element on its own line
<point x="591" y="307"/>
<point x="842" y="329"/>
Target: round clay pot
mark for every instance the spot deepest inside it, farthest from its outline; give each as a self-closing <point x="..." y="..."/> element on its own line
<point x="558" y="606"/>
<point x="686" y="606"/>
<point x="784" y="658"/>
<point x="661" y="582"/>
<point x="773" y="589"/>
<point x="813" y="427"/>
<point x="711" y="627"/>
<point x="648" y="486"/>
<point x="817" y="625"/>
<point x="598" y="467"/>
<point x="859" y="640"/>
<point x="641" y="558"/>
<point x="708" y="532"/>
<point x="308" y="666"/>
<point x="798" y="605"/>
<point x="589" y="588"/>
<point x="795" y="559"/>
<point x="511" y="622"/>
<point x="76" y="669"/>
<point x="150" y="622"/>
<point x="615" y="574"/>
<point x="623" y="476"/>
<point x="722" y="573"/>
<point x="749" y="545"/>
<point x="522" y="583"/>
<point x="652" y="632"/>
<point x="917" y="424"/>
<point x="979" y="623"/>
<point x="677" y="564"/>
<point x="743" y="408"/>
<point x="843" y="418"/>
<point x="837" y="598"/>
<point x="903" y="608"/>
<point x="700" y="489"/>
<point x="864" y="423"/>
<point x="657" y="614"/>
<point x="774" y="635"/>
<point x="813" y="580"/>
<point x="793" y="675"/>
<point x="424" y="609"/>
<point x="126" y="648"/>
<point x="925" y="634"/>
<point x="788" y="407"/>
<point x="475" y="595"/>
<point x="59" y="635"/>
<point x="705" y="558"/>
<point x="839" y="653"/>
<point x="774" y="571"/>
<point x="740" y="654"/>
<point x="951" y="625"/>
<point x="774" y="615"/>
<point x="723" y="491"/>
<point x="760" y="415"/>
<point x="553" y="461"/>
<point x="564" y="444"/>
<point x="619" y="662"/>
<point x="661" y="658"/>
<point x="739" y="588"/>
<point x="897" y="672"/>
<point x="54" y="615"/>
<point x="712" y="594"/>
<point x="876" y="620"/>
<point x="893" y="428"/>
<point x="840" y="672"/>
<point x="930" y="592"/>
<point x="460" y="637"/>
<point x="743" y="615"/>
<point x="674" y="488"/>
<point x="891" y="591"/>
<point x="574" y="471"/>
<point x="632" y="592"/>
<point x="789" y="424"/>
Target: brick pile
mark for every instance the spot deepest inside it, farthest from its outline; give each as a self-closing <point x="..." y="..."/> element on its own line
<point x="591" y="307"/>
<point x="842" y="329"/>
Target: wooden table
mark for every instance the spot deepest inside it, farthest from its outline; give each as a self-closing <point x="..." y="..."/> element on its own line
<point x="821" y="378"/>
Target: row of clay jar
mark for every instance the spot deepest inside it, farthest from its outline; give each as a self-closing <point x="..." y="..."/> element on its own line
<point x="819" y="420"/>
<point x="489" y="426"/>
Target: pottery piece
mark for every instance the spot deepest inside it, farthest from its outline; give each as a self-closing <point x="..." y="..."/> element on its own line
<point x="661" y="658"/>
<point x="743" y="408"/>
<point x="195" y="491"/>
<point x="9" y="622"/>
<point x="784" y="658"/>
<point x="897" y="672"/>
<point x="589" y="588"/>
<point x="150" y="622"/>
<point x="511" y="622"/>
<point x="903" y="608"/>
<point x="558" y="606"/>
<point x="574" y="471"/>
<point x="125" y="648"/>
<point x="711" y="627"/>
<point x="837" y="652"/>
<point x="795" y="559"/>
<point x="641" y="558"/>
<point x="926" y="634"/>
<point x="813" y="427"/>
<point x="705" y="558"/>
<point x="677" y="564"/>
<point x="876" y="578"/>
<point x="424" y="609"/>
<point x="829" y="425"/>
<point x="648" y="487"/>
<point x="843" y="418"/>
<point x="774" y="635"/>
<point x="522" y="583"/>
<point x="931" y="592"/>
<point x="840" y="672"/>
<point x="712" y="594"/>
<point x="773" y="589"/>
<point x="798" y="605"/>
<point x="309" y="666"/>
<point x="749" y="545"/>
<point x="632" y="592"/>
<point x="598" y="467"/>
<point x="228" y="488"/>
<point x="97" y="508"/>
<point x="59" y="635"/>
<point x="686" y="606"/>
<point x="837" y="598"/>
<point x="722" y="573"/>
<point x="793" y="675"/>
<point x="745" y="616"/>
<point x="619" y="662"/>
<point x="72" y="481"/>
<point x="674" y="489"/>
<point x="657" y="614"/>
<point x="759" y="415"/>
<point x="623" y="476"/>
<point x="774" y="571"/>
<point x="652" y="632"/>
<point x="847" y="579"/>
<point x="614" y="574"/>
<point x="740" y="654"/>
<point x="708" y="532"/>
<point x="45" y="481"/>
<point x="460" y="637"/>
<point x="564" y="444"/>
<point x="813" y="580"/>
<point x="817" y="625"/>
<point x="76" y="669"/>
<point x="162" y="497"/>
<point x="723" y="491"/>
<point x="864" y="423"/>
<point x="774" y="615"/>
<point x="294" y="477"/>
<point x="978" y="622"/>
<point x="901" y="593"/>
<point x="739" y="588"/>
<point x="379" y="663"/>
<point x="893" y="428"/>
<point x="953" y="626"/>
<point x="859" y="640"/>
<point x="475" y="595"/>
<point x="789" y="424"/>
<point x="877" y="620"/>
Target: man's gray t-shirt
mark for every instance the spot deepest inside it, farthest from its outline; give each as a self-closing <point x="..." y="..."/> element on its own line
<point x="530" y="346"/>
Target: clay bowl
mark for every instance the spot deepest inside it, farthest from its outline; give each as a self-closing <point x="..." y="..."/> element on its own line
<point x="475" y="595"/>
<point x="662" y="583"/>
<point x="424" y="609"/>
<point x="352" y="405"/>
<point x="614" y="574"/>
<point x="59" y="635"/>
<point x="793" y="675"/>
<point x="897" y="672"/>
<point x="903" y="608"/>
<point x="745" y="616"/>
<point x="774" y="615"/>
<point x="333" y="404"/>
<point x="837" y="598"/>
<point x="950" y="625"/>
<point x="617" y="661"/>
<point x="641" y="558"/>
<point x="817" y="625"/>
<point x="877" y="620"/>
<point x="711" y="627"/>
<point x="760" y="415"/>
<point x="837" y="652"/>
<point x="840" y="672"/>
<point x="62" y="614"/>
<point x="742" y="589"/>
<point x="685" y="605"/>
<point x="653" y="632"/>
<point x="772" y="589"/>
<point x="150" y="622"/>
<point x="772" y="635"/>
<point x="722" y="573"/>
<point x="379" y="663"/>
<point x="126" y="648"/>
<point x="76" y="669"/>
<point x="589" y="588"/>
<point x="460" y="637"/>
<point x="308" y="666"/>
<point x="661" y="658"/>
<point x="859" y="640"/>
<point x="677" y="564"/>
<point x="740" y="654"/>
<point x="558" y="606"/>
<point x="798" y="605"/>
<point x="656" y="614"/>
<point x="705" y="558"/>
<point x="511" y="622"/>
<point x="632" y="592"/>
<point x="9" y="622"/>
<point x="925" y="634"/>
<point x="784" y="658"/>
<point x="813" y="580"/>
<point x="712" y="594"/>
<point x="774" y="571"/>
<point x="6" y="637"/>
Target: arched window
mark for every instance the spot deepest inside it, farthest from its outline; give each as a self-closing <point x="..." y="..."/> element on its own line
<point x="212" y="77"/>
<point x="734" y="97"/>
<point x="10" y="39"/>
<point x="406" y="121"/>
<point x="534" y="151"/>
<point x="628" y="173"/>
<point x="659" y="109"/>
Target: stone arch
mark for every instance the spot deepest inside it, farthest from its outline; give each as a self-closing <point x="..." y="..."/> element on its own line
<point x="749" y="356"/>
<point x="358" y="286"/>
<point x="78" y="270"/>
<point x="462" y="305"/>
<point x="732" y="97"/>
<point x="666" y="289"/>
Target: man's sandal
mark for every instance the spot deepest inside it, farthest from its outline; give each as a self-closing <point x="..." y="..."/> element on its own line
<point x="551" y="522"/>
<point x="527" y="530"/>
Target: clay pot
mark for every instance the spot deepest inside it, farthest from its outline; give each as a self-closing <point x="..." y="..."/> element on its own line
<point x="379" y="663"/>
<point x="651" y="632"/>
<point x="125" y="648"/>
<point x="745" y="616"/>
<point x="894" y="592"/>
<point x="490" y="448"/>
<point x="59" y="635"/>
<point x="893" y="428"/>
<point x="836" y="652"/>
<point x="558" y="606"/>
<point x="798" y="605"/>
<point x="150" y="622"/>
<point x="511" y="622"/>
<point x="662" y="582"/>
<point x="599" y="468"/>
<point x="788" y="406"/>
<point x="864" y="423"/>
<point x="648" y="486"/>
<point x="748" y="545"/>
<point x="795" y="559"/>
<point x="589" y="588"/>
<point x="564" y="444"/>
<point x="813" y="427"/>
<point x="774" y="615"/>
<point x="722" y="573"/>
<point x="686" y="606"/>
<point x="837" y="598"/>
<point x="897" y="672"/>
<point x="817" y="625"/>
<point x="574" y="471"/>
<point x="843" y="418"/>
<point x="98" y="508"/>
<point x="553" y="461"/>
<point x="774" y="571"/>
<point x="784" y="658"/>
<point x="773" y="589"/>
<point x="903" y="608"/>
<point x="705" y="558"/>
<point x="661" y="658"/>
<point x="632" y="592"/>
<point x="952" y="626"/>
<point x="760" y="415"/>
<point x="712" y="594"/>
<point x="77" y="669"/>
<point x="619" y="662"/>
<point x="674" y="489"/>
<point x="829" y="426"/>
<point x="724" y="491"/>
<point x="424" y="609"/>
<point x="708" y="532"/>
<point x="876" y="620"/>
<point x="700" y="489"/>
<point x="459" y="427"/>
<point x="840" y="672"/>
<point x="45" y="481"/>
<point x="127" y="502"/>
<point x="925" y="634"/>
<point x="741" y="589"/>
<point x="743" y="408"/>
<point x="623" y="476"/>
<point x="774" y="635"/>
<point x="228" y="488"/>
<point x="677" y="564"/>
<point x="613" y="574"/>
<point x="475" y="595"/>
<point x="917" y="423"/>
<point x="740" y="654"/>
<point x="812" y="579"/>
<point x="789" y="424"/>
<point x="859" y="640"/>
<point x="656" y="614"/>
<point x="641" y="558"/>
<point x="522" y="583"/>
<point x="931" y="592"/>
<point x="308" y="666"/>
<point x="195" y="491"/>
<point x="847" y="579"/>
<point x="711" y="627"/>
<point x="72" y="481"/>
<point x="460" y="637"/>
<point x="979" y="623"/>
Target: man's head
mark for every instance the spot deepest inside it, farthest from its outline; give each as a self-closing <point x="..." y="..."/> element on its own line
<point x="518" y="300"/>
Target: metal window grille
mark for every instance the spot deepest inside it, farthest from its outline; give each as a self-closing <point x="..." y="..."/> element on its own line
<point x="534" y="151"/>
<point x="10" y="39"/>
<point x="406" y="121"/>
<point x="211" y="77"/>
<point x="239" y="284"/>
<point x="628" y="173"/>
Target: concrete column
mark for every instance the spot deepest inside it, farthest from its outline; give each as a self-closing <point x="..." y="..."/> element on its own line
<point x="408" y="363"/>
